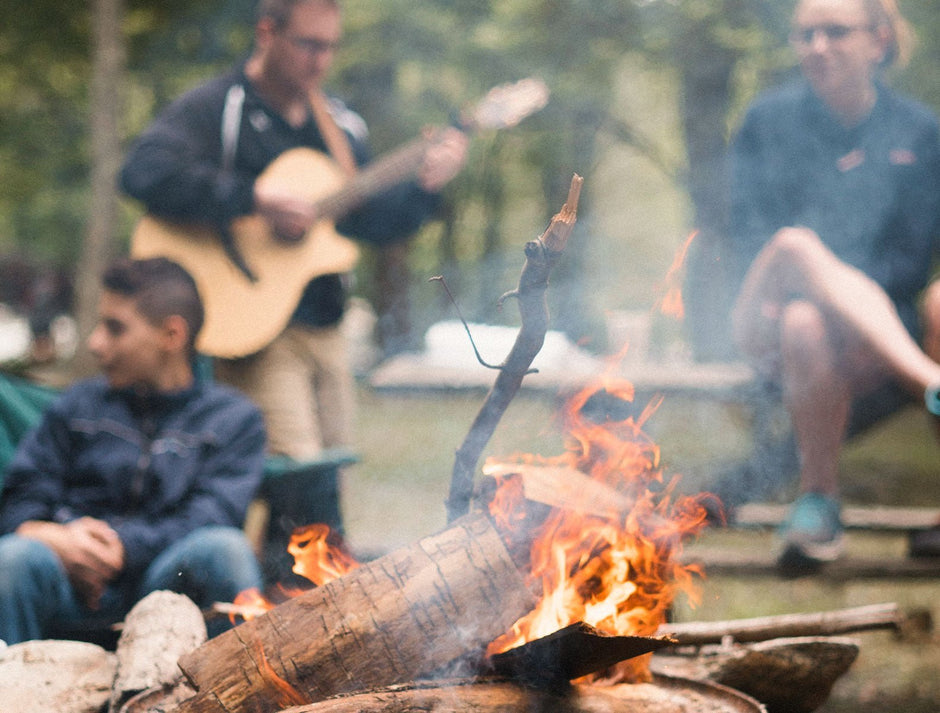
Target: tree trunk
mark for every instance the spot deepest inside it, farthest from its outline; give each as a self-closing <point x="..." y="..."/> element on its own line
<point x="105" y="109"/>
<point x="705" y="71"/>
<point x="393" y="299"/>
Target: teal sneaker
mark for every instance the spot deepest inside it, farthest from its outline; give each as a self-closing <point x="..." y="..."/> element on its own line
<point x="812" y="534"/>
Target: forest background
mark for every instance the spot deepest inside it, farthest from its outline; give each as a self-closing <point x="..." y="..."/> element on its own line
<point x="645" y="94"/>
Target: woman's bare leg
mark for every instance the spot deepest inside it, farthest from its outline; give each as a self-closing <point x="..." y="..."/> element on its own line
<point x="817" y="394"/>
<point x="796" y="264"/>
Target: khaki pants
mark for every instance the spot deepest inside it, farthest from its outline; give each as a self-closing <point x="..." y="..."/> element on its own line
<point x="303" y="385"/>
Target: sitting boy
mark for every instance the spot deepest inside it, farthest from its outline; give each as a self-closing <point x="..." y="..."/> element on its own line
<point x="135" y="481"/>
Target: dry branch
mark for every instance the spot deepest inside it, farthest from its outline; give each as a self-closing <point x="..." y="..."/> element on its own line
<point x="541" y="256"/>
<point x="840" y="621"/>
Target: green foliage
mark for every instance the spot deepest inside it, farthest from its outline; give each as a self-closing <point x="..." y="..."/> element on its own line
<point x="405" y="65"/>
<point x="43" y="83"/>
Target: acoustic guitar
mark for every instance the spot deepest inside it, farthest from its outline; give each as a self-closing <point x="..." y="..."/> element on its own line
<point x="251" y="282"/>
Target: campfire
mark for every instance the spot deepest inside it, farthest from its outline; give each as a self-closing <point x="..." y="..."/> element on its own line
<point x="613" y="562"/>
<point x="551" y="593"/>
<point x="599" y="545"/>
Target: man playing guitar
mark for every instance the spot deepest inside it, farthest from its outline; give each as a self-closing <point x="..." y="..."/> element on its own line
<point x="199" y="162"/>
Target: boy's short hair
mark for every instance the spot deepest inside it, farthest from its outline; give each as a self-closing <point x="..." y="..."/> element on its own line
<point x="160" y="288"/>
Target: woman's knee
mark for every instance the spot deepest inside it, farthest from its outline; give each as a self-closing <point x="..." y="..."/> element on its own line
<point x="930" y="319"/>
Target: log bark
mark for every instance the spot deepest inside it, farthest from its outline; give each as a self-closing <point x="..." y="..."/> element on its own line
<point x="541" y="256"/>
<point x="664" y="695"/>
<point x="793" y="675"/>
<point x="840" y="621"/>
<point x="386" y="622"/>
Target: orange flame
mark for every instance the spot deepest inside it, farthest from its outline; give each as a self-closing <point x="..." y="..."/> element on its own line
<point x="282" y="693"/>
<point x="316" y="557"/>
<point x="319" y="555"/>
<point x="671" y="303"/>
<point x="248" y="605"/>
<point x="618" y="572"/>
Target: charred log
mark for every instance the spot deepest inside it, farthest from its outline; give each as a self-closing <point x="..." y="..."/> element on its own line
<point x="570" y="653"/>
<point x="387" y="622"/>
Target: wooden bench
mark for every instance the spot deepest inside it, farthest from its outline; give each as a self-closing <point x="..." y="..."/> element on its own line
<point x="876" y="544"/>
<point x="771" y="458"/>
<point x="888" y="520"/>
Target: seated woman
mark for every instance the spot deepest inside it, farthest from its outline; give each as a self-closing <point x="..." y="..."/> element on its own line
<point x="836" y="200"/>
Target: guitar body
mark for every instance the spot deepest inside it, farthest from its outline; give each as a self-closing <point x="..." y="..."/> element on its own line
<point x="243" y="316"/>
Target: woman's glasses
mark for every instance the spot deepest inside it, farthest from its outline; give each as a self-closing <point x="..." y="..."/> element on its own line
<point x="804" y="36"/>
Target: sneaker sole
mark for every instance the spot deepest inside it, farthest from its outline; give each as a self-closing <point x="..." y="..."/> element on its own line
<point x="810" y="556"/>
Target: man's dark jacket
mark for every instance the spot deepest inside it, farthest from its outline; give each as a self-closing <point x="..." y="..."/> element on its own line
<point x="153" y="468"/>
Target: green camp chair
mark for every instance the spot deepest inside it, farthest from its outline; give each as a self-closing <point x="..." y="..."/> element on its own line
<point x="21" y="405"/>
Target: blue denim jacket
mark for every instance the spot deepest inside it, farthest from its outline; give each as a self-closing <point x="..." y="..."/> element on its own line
<point x="154" y="468"/>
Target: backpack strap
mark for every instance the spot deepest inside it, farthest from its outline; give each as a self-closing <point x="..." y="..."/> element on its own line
<point x="231" y="124"/>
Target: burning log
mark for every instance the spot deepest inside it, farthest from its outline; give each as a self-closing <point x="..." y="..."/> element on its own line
<point x="386" y="622"/>
<point x="562" y="486"/>
<point x="541" y="256"/>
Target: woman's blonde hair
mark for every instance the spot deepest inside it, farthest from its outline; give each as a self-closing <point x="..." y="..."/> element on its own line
<point x="886" y="17"/>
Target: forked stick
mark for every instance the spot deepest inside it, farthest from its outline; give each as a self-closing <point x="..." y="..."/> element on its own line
<point x="541" y="256"/>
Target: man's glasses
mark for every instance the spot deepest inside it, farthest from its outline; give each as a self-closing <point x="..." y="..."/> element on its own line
<point x="312" y="45"/>
<point x="804" y="36"/>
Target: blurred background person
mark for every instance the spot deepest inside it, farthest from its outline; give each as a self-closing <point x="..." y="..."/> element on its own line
<point x="835" y="206"/>
<point x="134" y="481"/>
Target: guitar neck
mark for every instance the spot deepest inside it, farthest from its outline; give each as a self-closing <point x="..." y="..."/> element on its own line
<point x="503" y="106"/>
<point x="388" y="171"/>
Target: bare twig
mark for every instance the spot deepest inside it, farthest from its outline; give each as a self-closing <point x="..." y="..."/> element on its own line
<point x="541" y="255"/>
<point x="841" y="621"/>
<point x="466" y="327"/>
